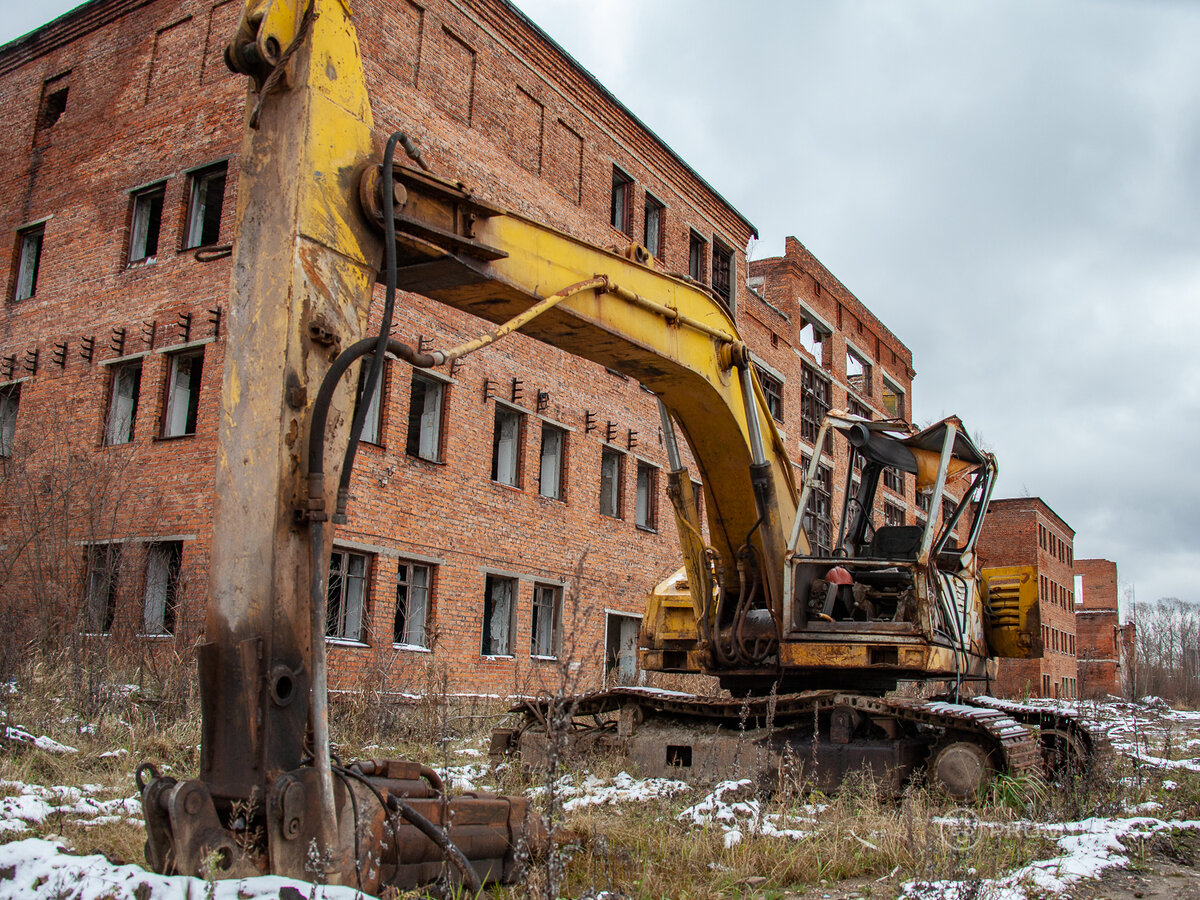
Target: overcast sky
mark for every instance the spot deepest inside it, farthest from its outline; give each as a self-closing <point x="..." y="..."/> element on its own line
<point x="1012" y="187"/>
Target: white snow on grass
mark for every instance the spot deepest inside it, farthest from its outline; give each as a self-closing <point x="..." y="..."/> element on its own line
<point x="33" y="804"/>
<point x="732" y="807"/>
<point x="622" y="788"/>
<point x="1089" y="848"/>
<point x="40" y="870"/>
<point x="15" y="733"/>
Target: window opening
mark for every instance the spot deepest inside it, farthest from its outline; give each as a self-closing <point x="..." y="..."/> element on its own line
<point x="547" y="615"/>
<point x="818" y="515"/>
<point x="346" y="595"/>
<point x="893" y="400"/>
<point x="610" y="482"/>
<point x="161" y="599"/>
<point x="373" y="419"/>
<point x="205" y="203"/>
<point x="773" y="391"/>
<point x="892" y="514"/>
<point x="146" y="224"/>
<point x="858" y="372"/>
<point x="29" y="261"/>
<point x="425" y="418"/>
<point x="551" y="473"/>
<point x="506" y="447"/>
<point x="183" y="394"/>
<point x="622" y="193"/>
<point x="410" y="626"/>
<point x="620" y="649"/>
<point x="123" y="403"/>
<point x="815" y="401"/>
<point x="722" y="273"/>
<point x="103" y="569"/>
<point x="10" y="401"/>
<point x="696" y="256"/>
<point x="646" y="513"/>
<point x="893" y="479"/>
<point x="812" y="339"/>
<point x="54" y="103"/>
<point x="498" y="615"/>
<point x="652" y="233"/>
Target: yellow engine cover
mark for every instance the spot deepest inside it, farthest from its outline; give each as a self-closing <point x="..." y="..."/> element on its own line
<point x="1013" y="620"/>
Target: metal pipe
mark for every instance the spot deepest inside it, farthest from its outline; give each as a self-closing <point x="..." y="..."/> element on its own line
<point x="758" y="455"/>
<point x="673" y="316"/>
<point x="806" y="489"/>
<point x="939" y="485"/>
<point x="441" y="357"/>
<point x="669" y="439"/>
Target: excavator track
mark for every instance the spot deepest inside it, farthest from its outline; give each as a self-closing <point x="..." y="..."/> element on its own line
<point x="685" y="725"/>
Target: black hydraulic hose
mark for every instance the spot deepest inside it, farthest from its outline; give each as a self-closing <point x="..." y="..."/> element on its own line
<point x="385" y="326"/>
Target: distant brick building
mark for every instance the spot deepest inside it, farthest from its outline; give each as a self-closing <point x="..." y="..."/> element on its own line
<point x="1024" y="531"/>
<point x="1101" y="639"/>
<point x="486" y="499"/>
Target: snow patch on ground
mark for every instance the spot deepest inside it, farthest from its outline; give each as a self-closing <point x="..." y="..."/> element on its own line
<point x="33" y="804"/>
<point x="40" y="870"/>
<point x="622" y="788"/>
<point x="732" y="807"/>
<point x="16" y="733"/>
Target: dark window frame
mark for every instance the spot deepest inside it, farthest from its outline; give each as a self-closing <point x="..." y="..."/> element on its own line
<point x="205" y="230"/>
<point x="102" y="574"/>
<point x="621" y="201"/>
<point x="419" y="427"/>
<point x="115" y="434"/>
<point x="146" y="205"/>
<point x="654" y="242"/>
<point x="408" y="587"/>
<point x="723" y="271"/>
<point x="612" y="499"/>
<point x="195" y="382"/>
<point x="374" y="420"/>
<point x="772" y="388"/>
<point x="26" y="271"/>
<point x="696" y="255"/>
<point x="559" y="456"/>
<point x="645" y="516"/>
<point x="10" y="410"/>
<point x="167" y="619"/>
<point x="816" y="393"/>
<point x="540" y="608"/>
<point x="508" y="414"/>
<point x="493" y="643"/>
<point x="337" y="611"/>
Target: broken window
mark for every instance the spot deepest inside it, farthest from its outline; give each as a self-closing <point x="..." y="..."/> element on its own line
<point x="893" y="479"/>
<point x="552" y="472"/>
<point x="100" y="603"/>
<point x="161" y="598"/>
<point x="857" y="408"/>
<point x="547" y="618"/>
<point x="54" y="102"/>
<point x="815" y="399"/>
<point x="818" y="514"/>
<point x="812" y="338"/>
<point x="772" y="388"/>
<point x="646" y="513"/>
<point x="892" y="514"/>
<point x="123" y="403"/>
<point x="205" y="202"/>
<point x="722" y="273"/>
<point x="346" y="596"/>
<point x="622" y="195"/>
<point x="696" y="256"/>
<point x="145" y="224"/>
<point x="893" y="400"/>
<point x="498" y="593"/>
<point x="373" y="420"/>
<point x="411" y="624"/>
<point x="183" y="393"/>
<point x="506" y="446"/>
<point x="425" y="418"/>
<point x="29" y="261"/>
<point x="858" y="372"/>
<point x="652" y="233"/>
<point x="10" y="400"/>
<point x="610" y="482"/>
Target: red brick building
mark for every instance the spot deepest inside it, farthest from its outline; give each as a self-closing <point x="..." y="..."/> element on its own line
<point x="819" y="348"/>
<point x="1024" y="531"/>
<point x="507" y="516"/>
<point x="1102" y="640"/>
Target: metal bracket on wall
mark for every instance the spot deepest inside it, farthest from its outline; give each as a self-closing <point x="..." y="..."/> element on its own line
<point x="8" y="366"/>
<point x="589" y="422"/>
<point x="543" y="401"/>
<point x="489" y="389"/>
<point x="518" y="389"/>
<point x="631" y="440"/>
<point x="149" y="327"/>
<point x="610" y="431"/>
<point x="31" y="361"/>
<point x="87" y="347"/>
<point x="214" y="319"/>
<point x="59" y="355"/>
<point x="116" y="343"/>
<point x="185" y="326"/>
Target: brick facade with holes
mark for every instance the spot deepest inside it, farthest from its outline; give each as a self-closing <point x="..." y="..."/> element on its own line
<point x="794" y="300"/>
<point x="1025" y="531"/>
<point x="1102" y="663"/>
<point x="125" y="97"/>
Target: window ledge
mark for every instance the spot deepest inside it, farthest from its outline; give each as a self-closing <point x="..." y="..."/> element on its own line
<point x="507" y="487"/>
<point x="498" y="656"/>
<point x="141" y="263"/>
<point x="539" y="658"/>
<point x="157" y="636"/>
<point x="167" y="437"/>
<point x="648" y="529"/>
<point x="415" y="648"/>
<point x="424" y="459"/>
<point x="344" y="642"/>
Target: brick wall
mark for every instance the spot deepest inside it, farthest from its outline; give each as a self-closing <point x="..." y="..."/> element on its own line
<point x="1098" y="625"/>
<point x="1024" y="531"/>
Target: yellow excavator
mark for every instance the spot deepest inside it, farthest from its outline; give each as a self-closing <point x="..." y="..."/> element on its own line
<point x="807" y="637"/>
